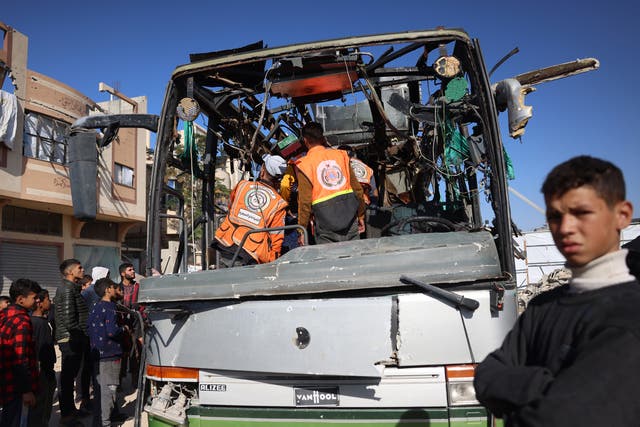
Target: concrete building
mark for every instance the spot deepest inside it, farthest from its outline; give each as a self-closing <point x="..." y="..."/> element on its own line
<point x="37" y="227"/>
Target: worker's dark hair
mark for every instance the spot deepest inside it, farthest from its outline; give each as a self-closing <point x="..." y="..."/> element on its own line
<point x="313" y="131"/>
<point x="23" y="287"/>
<point x="68" y="263"/>
<point x="124" y="266"/>
<point x="102" y="284"/>
<point x="348" y="149"/>
<point x="603" y="176"/>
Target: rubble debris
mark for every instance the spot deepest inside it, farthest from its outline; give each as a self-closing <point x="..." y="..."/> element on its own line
<point x="549" y="281"/>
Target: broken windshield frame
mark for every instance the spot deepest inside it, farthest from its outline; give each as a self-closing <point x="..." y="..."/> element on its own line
<point x="405" y="118"/>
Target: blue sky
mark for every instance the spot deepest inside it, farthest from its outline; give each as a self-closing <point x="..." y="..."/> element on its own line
<point x="135" y="46"/>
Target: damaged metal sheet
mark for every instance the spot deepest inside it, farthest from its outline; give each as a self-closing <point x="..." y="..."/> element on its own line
<point x="431" y="332"/>
<point x="324" y="45"/>
<point x="455" y="257"/>
<point x="558" y="71"/>
<point x="313" y="336"/>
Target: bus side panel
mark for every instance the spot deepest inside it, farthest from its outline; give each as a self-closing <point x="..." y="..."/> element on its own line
<point x="339" y="336"/>
<point x="432" y="332"/>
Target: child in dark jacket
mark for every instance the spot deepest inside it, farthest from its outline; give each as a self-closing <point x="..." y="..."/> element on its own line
<point x="40" y="414"/>
<point x="105" y="336"/>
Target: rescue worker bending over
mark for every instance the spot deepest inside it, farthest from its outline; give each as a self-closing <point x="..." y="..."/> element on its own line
<point x="328" y="188"/>
<point x="254" y="205"/>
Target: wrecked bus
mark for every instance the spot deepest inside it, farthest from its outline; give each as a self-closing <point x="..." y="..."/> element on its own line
<point x="377" y="331"/>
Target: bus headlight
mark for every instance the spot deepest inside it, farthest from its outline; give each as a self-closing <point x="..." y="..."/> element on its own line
<point x="461" y="393"/>
<point x="460" y="390"/>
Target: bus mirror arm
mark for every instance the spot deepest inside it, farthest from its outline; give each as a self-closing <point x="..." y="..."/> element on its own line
<point x="83" y="170"/>
<point x="144" y="121"/>
<point x="82" y="146"/>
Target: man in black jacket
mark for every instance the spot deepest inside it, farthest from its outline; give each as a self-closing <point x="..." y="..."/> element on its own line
<point x="572" y="357"/>
<point x="71" y="335"/>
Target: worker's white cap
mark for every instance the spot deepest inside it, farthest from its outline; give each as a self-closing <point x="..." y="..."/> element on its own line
<point x="275" y="165"/>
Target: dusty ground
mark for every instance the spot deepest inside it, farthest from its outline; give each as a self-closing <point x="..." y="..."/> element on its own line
<point x="128" y="408"/>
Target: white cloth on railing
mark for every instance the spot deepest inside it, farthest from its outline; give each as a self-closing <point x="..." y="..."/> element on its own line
<point x="8" y="118"/>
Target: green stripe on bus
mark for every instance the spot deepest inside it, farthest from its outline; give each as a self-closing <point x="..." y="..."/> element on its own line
<point x="319" y="413"/>
<point x="317" y="423"/>
<point x="468" y="412"/>
<point x="311" y="417"/>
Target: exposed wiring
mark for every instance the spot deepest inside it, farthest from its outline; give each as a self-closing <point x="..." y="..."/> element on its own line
<point x="354" y="116"/>
<point x="191" y="141"/>
<point x="445" y="172"/>
<point x="267" y="88"/>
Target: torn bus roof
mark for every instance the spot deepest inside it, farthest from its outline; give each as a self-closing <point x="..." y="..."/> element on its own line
<point x="455" y="257"/>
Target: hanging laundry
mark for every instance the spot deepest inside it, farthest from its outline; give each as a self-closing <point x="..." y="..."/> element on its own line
<point x="8" y="118"/>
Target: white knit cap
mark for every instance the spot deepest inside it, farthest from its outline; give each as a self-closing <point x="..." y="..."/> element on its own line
<point x="99" y="273"/>
<point x="275" y="165"/>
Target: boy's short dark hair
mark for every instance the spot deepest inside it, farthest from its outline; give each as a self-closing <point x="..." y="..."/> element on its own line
<point x="603" y="176"/>
<point x="86" y="279"/>
<point x="124" y="266"/>
<point x="68" y="263"/>
<point x="312" y="130"/>
<point x="102" y="284"/>
<point x="23" y="287"/>
<point x="5" y="298"/>
<point x="42" y="294"/>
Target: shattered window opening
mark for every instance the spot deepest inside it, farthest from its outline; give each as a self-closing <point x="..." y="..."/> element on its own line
<point x="44" y="138"/>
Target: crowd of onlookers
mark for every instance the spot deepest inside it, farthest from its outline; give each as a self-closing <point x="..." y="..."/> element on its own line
<point x="96" y="324"/>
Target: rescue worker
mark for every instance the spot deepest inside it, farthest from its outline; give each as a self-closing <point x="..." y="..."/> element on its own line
<point x="289" y="192"/>
<point x="254" y="205"/>
<point x="368" y="182"/>
<point x="328" y="188"/>
<point x="365" y="176"/>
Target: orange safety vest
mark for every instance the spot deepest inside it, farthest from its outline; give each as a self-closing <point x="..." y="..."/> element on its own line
<point x="254" y="205"/>
<point x="334" y="203"/>
<point x="328" y="171"/>
<point x="364" y="174"/>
